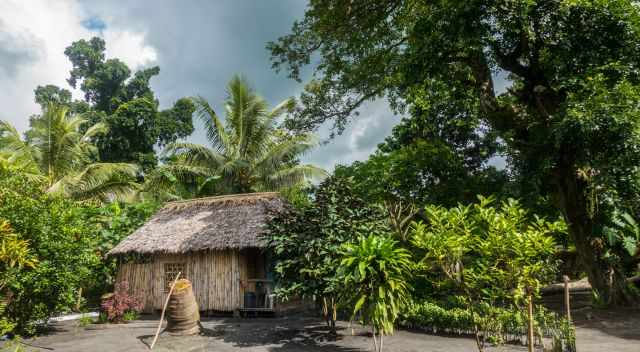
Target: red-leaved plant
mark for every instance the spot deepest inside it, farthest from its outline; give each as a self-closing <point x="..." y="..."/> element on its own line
<point x="115" y="305"/>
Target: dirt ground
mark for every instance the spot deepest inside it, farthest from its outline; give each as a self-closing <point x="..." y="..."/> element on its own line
<point x="596" y="331"/>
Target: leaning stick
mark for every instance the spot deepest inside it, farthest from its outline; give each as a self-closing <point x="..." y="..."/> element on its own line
<point x="166" y="302"/>
<point x="567" y="298"/>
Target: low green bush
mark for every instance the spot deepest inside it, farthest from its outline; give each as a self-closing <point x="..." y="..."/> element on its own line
<point x="130" y="315"/>
<point x="85" y="320"/>
<point x="500" y="325"/>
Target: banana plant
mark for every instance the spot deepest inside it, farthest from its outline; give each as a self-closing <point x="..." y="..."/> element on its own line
<point x="625" y="231"/>
<point x="377" y="270"/>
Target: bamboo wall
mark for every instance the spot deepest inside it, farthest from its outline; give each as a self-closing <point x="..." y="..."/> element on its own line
<point x="216" y="277"/>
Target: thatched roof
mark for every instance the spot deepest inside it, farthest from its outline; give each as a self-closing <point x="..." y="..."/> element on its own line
<point x="224" y="222"/>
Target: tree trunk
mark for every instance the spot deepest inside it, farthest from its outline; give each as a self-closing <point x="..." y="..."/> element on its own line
<point x="476" y="329"/>
<point x="609" y="283"/>
<point x="375" y="342"/>
<point x="329" y="312"/>
<point x="334" y="316"/>
<point x="325" y="311"/>
<point x="530" y="342"/>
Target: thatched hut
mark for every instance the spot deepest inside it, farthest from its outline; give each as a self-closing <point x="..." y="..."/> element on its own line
<point x="214" y="242"/>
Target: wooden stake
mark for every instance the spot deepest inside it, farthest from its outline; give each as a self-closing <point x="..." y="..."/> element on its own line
<point x="567" y="298"/>
<point x="530" y="332"/>
<point x="166" y="302"/>
<point x="79" y="300"/>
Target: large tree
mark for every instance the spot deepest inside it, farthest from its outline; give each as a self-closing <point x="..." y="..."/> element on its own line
<point x="124" y="102"/>
<point x="569" y="113"/>
<point x="433" y="156"/>
<point x="248" y="152"/>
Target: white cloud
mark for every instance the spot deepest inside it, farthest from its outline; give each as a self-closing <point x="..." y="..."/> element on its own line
<point x="359" y="139"/>
<point x="36" y="33"/>
<point x="129" y="47"/>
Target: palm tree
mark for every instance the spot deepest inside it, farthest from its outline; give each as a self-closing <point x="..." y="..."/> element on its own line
<point x="248" y="153"/>
<point x="59" y="154"/>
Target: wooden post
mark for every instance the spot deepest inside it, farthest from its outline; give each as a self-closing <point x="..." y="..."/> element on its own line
<point x="567" y="297"/>
<point x="79" y="300"/>
<point x="163" y="309"/>
<point x="530" y="341"/>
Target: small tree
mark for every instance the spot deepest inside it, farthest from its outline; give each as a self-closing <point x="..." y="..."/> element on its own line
<point x="375" y="271"/>
<point x="306" y="241"/>
<point x="496" y="256"/>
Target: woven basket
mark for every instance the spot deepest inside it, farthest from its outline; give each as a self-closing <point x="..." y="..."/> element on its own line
<point x="183" y="315"/>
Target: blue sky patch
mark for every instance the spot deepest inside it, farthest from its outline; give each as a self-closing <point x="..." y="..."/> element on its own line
<point x="94" y="23"/>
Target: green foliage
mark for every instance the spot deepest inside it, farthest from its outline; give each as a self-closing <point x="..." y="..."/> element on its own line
<point x="305" y="242"/>
<point x="505" y="325"/>
<point x="59" y="153"/>
<point x="130" y="315"/>
<point x="112" y="223"/>
<point x="435" y="156"/>
<point x="85" y="320"/>
<point x="375" y="271"/>
<point x="249" y="152"/>
<point x="15" y="255"/>
<point x="54" y="95"/>
<point x="299" y="196"/>
<point x="62" y="242"/>
<point x="625" y="232"/>
<point x="126" y="104"/>
<point x="568" y="117"/>
<point x="494" y="256"/>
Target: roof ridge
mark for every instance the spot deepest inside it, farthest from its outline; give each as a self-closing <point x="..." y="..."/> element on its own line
<point x="221" y="198"/>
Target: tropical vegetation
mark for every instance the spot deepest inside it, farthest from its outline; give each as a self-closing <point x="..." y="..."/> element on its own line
<point x="515" y="161"/>
<point x="86" y="174"/>
<point x="57" y="152"/>
<point x="376" y="269"/>
<point x="548" y="87"/>
<point x="304" y="241"/>
<point x="248" y="152"/>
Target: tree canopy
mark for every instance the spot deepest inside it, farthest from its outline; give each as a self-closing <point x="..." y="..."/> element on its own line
<point x="124" y="102"/>
<point x="566" y="108"/>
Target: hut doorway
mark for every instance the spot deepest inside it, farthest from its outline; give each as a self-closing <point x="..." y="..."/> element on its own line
<point x="258" y="288"/>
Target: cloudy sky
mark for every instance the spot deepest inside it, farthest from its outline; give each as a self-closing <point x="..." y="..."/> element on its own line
<point x="198" y="45"/>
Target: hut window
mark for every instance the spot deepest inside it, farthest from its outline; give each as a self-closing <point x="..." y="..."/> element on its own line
<point x="170" y="272"/>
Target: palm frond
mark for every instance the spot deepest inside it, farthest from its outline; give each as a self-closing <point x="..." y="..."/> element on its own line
<point x="195" y="155"/>
<point x="290" y="176"/>
<point x="100" y="181"/>
<point x="286" y="151"/>
<point x="284" y="106"/>
<point x="95" y="130"/>
<point x="215" y="130"/>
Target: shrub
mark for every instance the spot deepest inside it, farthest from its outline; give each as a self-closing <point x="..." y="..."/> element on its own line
<point x="494" y="256"/>
<point x="120" y="306"/>
<point x="62" y="242"/>
<point x="113" y="222"/>
<point x="85" y="320"/>
<point x="15" y="255"/>
<point x="499" y="324"/>
<point x="130" y="315"/>
<point x="305" y="241"/>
